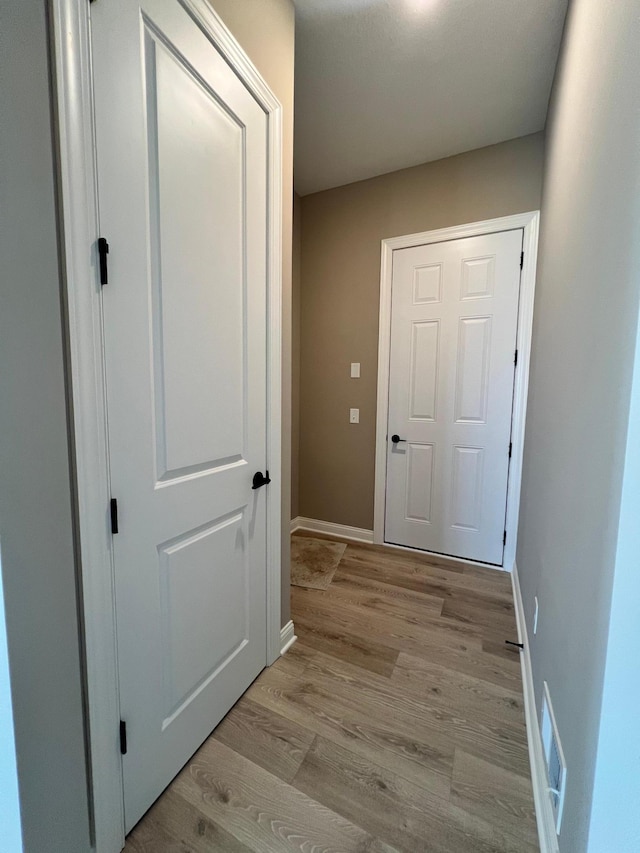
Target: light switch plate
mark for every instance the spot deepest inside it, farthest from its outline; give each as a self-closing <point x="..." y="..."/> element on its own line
<point x="354" y="416"/>
<point x="355" y="370"/>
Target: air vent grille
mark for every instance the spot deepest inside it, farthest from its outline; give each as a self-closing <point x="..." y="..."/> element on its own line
<point x="554" y="756"/>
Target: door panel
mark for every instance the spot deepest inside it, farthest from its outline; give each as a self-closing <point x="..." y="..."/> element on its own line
<point x="196" y="153"/>
<point x="193" y="569"/>
<point x="466" y="487"/>
<point x="419" y="482"/>
<point x="453" y="337"/>
<point x="478" y="277"/>
<point x="182" y="166"/>
<point x="427" y="284"/>
<point x="424" y="370"/>
<point x="472" y="370"/>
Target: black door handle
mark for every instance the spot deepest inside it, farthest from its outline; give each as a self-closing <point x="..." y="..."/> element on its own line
<point x="396" y="438"/>
<point x="260" y="479"/>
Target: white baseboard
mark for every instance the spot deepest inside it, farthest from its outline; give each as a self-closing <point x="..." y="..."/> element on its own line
<point x="358" y="534"/>
<point x="544" y="809"/>
<point x="287" y="637"/>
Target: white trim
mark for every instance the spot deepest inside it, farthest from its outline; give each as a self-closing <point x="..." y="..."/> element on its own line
<point x="79" y="214"/>
<point x="343" y="531"/>
<point x="521" y="385"/>
<point x="287" y="637"/>
<point x="530" y="223"/>
<point x="382" y="394"/>
<point x="545" y="817"/>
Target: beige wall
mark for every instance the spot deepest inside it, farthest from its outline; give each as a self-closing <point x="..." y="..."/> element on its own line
<point x="341" y="233"/>
<point x="295" y="354"/>
<point x="266" y="31"/>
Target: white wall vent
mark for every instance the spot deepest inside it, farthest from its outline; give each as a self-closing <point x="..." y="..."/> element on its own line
<point x="554" y="756"/>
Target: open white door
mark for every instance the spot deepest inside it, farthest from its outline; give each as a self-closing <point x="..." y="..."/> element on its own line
<point x="454" y="321"/>
<point x="182" y="186"/>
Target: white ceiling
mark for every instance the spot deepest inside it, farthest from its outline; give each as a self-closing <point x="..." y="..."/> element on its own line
<point x="386" y="84"/>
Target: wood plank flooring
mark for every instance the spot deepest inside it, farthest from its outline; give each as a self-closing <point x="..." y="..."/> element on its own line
<point x="395" y="723"/>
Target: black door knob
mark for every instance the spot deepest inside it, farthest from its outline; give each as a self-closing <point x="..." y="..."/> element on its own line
<point x="260" y="479"/>
<point x="396" y="438"/>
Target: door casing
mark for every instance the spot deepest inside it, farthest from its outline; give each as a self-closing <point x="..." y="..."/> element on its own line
<point x="79" y="233"/>
<point x="530" y="222"/>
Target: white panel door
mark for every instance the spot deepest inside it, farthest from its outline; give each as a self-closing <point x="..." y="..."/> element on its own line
<point x="453" y="336"/>
<point x="182" y="149"/>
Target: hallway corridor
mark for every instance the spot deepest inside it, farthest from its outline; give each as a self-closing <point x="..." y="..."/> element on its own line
<point x="395" y="723"/>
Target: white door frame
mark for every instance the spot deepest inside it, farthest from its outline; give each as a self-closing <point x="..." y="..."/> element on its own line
<point x="530" y="223"/>
<point x="79" y="233"/>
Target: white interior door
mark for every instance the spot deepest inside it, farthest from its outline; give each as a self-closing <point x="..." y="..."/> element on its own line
<point x="182" y="164"/>
<point x="453" y="336"/>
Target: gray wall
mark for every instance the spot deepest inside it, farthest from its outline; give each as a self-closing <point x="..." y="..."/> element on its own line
<point x="35" y="497"/>
<point x="584" y="338"/>
<point x="615" y="819"/>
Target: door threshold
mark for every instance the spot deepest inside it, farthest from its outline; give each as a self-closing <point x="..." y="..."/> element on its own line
<point x="463" y="560"/>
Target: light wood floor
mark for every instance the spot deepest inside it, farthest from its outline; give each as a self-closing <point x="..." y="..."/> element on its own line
<point x="395" y="723"/>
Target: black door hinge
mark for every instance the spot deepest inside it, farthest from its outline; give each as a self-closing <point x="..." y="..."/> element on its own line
<point x="504" y="538"/>
<point x="515" y="359"/>
<point x="123" y="737"/>
<point x="521" y="259"/>
<point x="103" y="251"/>
<point x="113" y="508"/>
<point x="510" y="448"/>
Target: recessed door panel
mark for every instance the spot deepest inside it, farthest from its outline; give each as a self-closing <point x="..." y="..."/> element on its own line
<point x="454" y="311"/>
<point x="424" y="370"/>
<point x="427" y="283"/>
<point x="478" y="277"/>
<point x="472" y="369"/>
<point x="466" y="488"/>
<point x="196" y="181"/>
<point x="195" y="570"/>
<point x="419" y="482"/>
